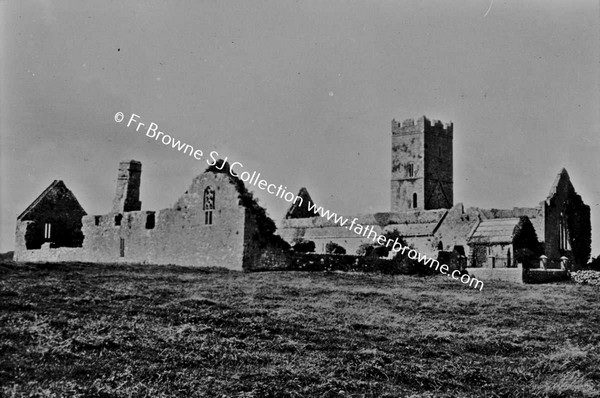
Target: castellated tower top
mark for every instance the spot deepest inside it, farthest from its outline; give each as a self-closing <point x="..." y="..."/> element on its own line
<point x="421" y="125"/>
<point x="422" y="175"/>
<point x="127" y="197"/>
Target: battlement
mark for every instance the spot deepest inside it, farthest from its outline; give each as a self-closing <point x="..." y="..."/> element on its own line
<point x="421" y="125"/>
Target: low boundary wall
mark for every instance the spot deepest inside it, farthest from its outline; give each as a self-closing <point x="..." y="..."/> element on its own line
<point x="518" y="275"/>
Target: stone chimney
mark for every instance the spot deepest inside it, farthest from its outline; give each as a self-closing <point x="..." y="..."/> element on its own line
<point x="127" y="197"/>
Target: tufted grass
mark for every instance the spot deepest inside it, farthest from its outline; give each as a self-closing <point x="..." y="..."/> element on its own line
<point x="89" y="330"/>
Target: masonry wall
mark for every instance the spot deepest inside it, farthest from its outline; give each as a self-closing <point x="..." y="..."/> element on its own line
<point x="499" y="274"/>
<point x="439" y="186"/>
<point x="493" y="255"/>
<point x="407" y="149"/>
<point x="455" y="228"/>
<point x="57" y="207"/>
<point x="425" y="146"/>
<point x="555" y="209"/>
<point x="179" y="235"/>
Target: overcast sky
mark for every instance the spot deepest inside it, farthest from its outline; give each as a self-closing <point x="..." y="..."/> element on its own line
<point x="302" y="92"/>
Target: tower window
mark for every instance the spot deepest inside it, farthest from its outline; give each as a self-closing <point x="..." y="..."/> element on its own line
<point x="97" y="220"/>
<point x="122" y="247"/>
<point x="118" y="219"/>
<point x="414" y="200"/>
<point x="410" y="169"/>
<point x="47" y="231"/>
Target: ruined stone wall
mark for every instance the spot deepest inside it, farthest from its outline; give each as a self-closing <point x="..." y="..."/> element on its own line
<point x="456" y="227"/>
<point x="567" y="222"/>
<point x="322" y="232"/>
<point x="127" y="195"/>
<point x="554" y="210"/>
<point x="439" y="186"/>
<point x="407" y="150"/>
<point x="422" y="164"/>
<point x="47" y="254"/>
<point x="493" y="255"/>
<point x="178" y="235"/>
<point x="499" y="274"/>
<point x="59" y="208"/>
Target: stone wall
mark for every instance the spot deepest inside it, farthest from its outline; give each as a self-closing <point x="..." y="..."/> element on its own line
<point x="422" y="164"/>
<point x="407" y="151"/>
<point x="47" y="254"/>
<point x="179" y="235"/>
<point x="500" y="274"/>
<point x="518" y="275"/>
<point x="492" y="255"/>
<point x="545" y="276"/>
<point x="439" y="186"/>
<point x="56" y="207"/>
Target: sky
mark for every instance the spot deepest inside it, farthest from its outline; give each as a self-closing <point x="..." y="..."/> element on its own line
<point x="301" y="91"/>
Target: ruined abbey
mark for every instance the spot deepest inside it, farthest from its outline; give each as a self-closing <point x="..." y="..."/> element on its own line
<point x="424" y="213"/>
<point x="216" y="222"/>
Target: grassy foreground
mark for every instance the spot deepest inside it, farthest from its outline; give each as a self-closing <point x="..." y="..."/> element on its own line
<point x="92" y="330"/>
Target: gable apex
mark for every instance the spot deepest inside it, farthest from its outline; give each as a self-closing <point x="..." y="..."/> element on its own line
<point x="54" y="185"/>
<point x="561" y="178"/>
<point x="301" y="210"/>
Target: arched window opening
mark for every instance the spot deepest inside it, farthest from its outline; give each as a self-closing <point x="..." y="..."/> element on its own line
<point x="208" y="205"/>
<point x="564" y="233"/>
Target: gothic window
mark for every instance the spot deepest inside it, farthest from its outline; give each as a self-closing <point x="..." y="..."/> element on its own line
<point x="563" y="233"/>
<point x="410" y="170"/>
<point x="118" y="219"/>
<point x="440" y="246"/>
<point x="209" y="205"/>
<point x="97" y="220"/>
<point x="414" y="201"/>
<point x="209" y="199"/>
<point x="47" y="231"/>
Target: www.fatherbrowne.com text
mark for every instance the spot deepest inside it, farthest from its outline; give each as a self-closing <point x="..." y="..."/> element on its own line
<point x="254" y="179"/>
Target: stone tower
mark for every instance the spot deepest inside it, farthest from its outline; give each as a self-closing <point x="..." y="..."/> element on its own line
<point x="421" y="165"/>
<point x="127" y="197"/>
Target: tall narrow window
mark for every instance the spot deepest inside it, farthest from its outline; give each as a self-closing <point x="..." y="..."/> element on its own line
<point x="410" y="170"/>
<point x="47" y="231"/>
<point x="414" y="201"/>
<point x="563" y="233"/>
<point x="118" y="219"/>
<point x="209" y="205"/>
<point x="150" y="220"/>
<point x="122" y="248"/>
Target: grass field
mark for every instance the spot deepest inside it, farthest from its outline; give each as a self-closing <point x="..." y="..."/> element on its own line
<point x="118" y="331"/>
